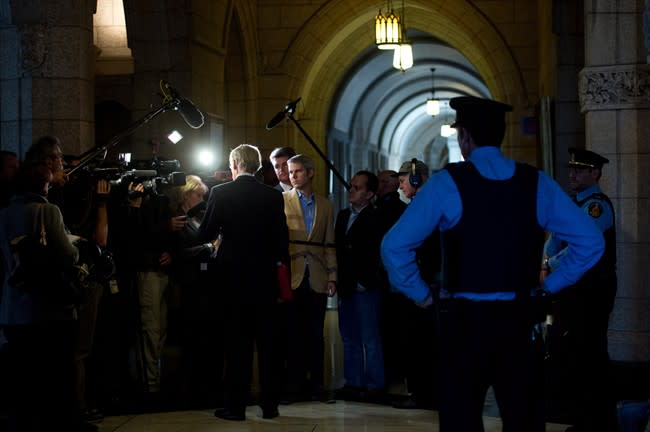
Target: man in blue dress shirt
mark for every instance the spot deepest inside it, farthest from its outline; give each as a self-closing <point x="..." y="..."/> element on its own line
<point x="583" y="311"/>
<point x="492" y="213"/>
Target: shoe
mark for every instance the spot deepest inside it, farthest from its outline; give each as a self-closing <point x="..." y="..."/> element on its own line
<point x="270" y="413"/>
<point x="88" y="427"/>
<point x="326" y="397"/>
<point x="349" y="393"/>
<point x="406" y="403"/>
<point x="92" y="416"/>
<point x="226" y="414"/>
<point x="374" y="395"/>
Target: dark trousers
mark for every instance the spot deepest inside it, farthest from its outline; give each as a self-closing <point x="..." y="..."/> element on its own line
<point x="585" y="318"/>
<point x="203" y="353"/>
<point x="486" y="344"/>
<point x="306" y="342"/>
<point x="41" y="385"/>
<point x="249" y="324"/>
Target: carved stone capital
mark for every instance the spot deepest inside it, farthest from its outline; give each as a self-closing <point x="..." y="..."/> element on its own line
<point x="614" y="87"/>
<point x="34" y="46"/>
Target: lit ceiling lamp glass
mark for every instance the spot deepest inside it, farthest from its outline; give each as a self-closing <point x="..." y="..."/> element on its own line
<point x="403" y="57"/>
<point x="446" y="130"/>
<point x="388" y="29"/>
<point x="433" y="104"/>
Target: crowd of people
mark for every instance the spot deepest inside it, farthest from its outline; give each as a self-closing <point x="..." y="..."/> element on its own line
<point x="442" y="293"/>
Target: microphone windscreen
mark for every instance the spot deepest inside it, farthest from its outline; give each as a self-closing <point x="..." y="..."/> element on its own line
<point x="276" y="120"/>
<point x="191" y="114"/>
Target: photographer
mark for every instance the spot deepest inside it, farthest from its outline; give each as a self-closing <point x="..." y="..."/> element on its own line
<point x="38" y="310"/>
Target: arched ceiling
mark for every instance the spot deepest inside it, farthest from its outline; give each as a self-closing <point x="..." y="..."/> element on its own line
<point x="384" y="108"/>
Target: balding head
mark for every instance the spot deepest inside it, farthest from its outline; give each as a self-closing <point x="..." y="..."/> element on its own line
<point x="388" y="182"/>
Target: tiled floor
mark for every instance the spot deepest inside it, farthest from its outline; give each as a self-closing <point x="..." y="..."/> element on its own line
<point x="298" y="417"/>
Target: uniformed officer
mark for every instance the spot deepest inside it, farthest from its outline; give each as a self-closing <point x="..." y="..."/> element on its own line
<point x="492" y="213"/>
<point x="583" y="311"/>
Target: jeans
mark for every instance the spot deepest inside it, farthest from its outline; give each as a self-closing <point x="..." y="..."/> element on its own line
<point x="363" y="355"/>
<point x="633" y="416"/>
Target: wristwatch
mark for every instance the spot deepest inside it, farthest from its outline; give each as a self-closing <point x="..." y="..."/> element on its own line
<point x="545" y="265"/>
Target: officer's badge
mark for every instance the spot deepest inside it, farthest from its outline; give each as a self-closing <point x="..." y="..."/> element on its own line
<point x="595" y="210"/>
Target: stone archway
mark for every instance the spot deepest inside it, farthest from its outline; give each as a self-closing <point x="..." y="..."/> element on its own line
<point x="335" y="35"/>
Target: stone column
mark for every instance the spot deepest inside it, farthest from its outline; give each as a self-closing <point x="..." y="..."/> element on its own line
<point x="53" y="76"/>
<point x="615" y="98"/>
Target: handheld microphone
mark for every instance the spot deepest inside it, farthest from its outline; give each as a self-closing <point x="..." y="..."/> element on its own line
<point x="288" y="109"/>
<point x="190" y="113"/>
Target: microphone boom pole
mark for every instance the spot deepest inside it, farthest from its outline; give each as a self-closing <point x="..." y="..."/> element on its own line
<point x="320" y="152"/>
<point x="172" y="104"/>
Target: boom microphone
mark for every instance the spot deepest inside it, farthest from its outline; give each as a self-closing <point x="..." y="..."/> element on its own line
<point x="288" y="109"/>
<point x="190" y="113"/>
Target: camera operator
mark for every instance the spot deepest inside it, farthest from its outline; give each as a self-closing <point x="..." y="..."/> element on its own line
<point x="150" y="226"/>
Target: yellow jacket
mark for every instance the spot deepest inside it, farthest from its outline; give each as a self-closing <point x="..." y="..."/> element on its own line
<point x="321" y="259"/>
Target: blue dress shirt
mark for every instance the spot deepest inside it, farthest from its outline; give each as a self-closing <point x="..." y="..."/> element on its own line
<point x="438" y="205"/>
<point x="308" y="206"/>
<point x="555" y="248"/>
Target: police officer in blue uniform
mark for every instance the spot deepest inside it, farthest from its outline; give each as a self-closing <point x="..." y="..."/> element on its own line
<point x="492" y="213"/>
<point x="583" y="310"/>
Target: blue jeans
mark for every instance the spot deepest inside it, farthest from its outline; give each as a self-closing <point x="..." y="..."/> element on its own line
<point x="633" y="415"/>
<point x="363" y="358"/>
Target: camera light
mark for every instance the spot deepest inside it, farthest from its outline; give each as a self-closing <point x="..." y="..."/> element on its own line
<point x="174" y="136"/>
<point x="205" y="157"/>
<point x="125" y="157"/>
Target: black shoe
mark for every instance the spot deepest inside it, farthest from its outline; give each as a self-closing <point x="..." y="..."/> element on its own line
<point x="406" y="403"/>
<point x="324" y="396"/>
<point x="88" y="427"/>
<point x="226" y="414"/>
<point x="270" y="413"/>
<point x="92" y="416"/>
<point x="374" y="395"/>
<point x="350" y="393"/>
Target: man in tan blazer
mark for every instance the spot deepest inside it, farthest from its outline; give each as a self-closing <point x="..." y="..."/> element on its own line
<point x="313" y="266"/>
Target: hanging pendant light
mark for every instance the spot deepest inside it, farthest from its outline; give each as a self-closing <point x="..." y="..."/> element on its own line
<point x="433" y="104"/>
<point x="446" y="130"/>
<point x="403" y="55"/>
<point x="388" y="28"/>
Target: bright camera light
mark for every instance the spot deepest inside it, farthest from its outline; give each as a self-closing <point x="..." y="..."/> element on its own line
<point x="205" y="157"/>
<point x="174" y="136"/>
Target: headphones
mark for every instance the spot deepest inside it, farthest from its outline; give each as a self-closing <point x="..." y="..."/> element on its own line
<point x="415" y="178"/>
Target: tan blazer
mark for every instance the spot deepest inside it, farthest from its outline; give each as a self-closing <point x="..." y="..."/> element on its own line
<point x="321" y="259"/>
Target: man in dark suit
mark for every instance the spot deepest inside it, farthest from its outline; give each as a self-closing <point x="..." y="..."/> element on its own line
<point x="249" y="217"/>
<point x="358" y="236"/>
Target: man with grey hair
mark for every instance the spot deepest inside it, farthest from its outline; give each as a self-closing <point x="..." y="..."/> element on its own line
<point x="313" y="278"/>
<point x="249" y="217"/>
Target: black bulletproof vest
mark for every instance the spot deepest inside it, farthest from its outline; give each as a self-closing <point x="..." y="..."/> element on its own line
<point x="497" y="244"/>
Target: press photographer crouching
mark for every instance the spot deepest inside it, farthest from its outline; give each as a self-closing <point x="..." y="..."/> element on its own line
<point x="38" y="311"/>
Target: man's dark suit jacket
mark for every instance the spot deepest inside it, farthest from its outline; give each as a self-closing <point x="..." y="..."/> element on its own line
<point x="250" y="217"/>
<point x="357" y="251"/>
